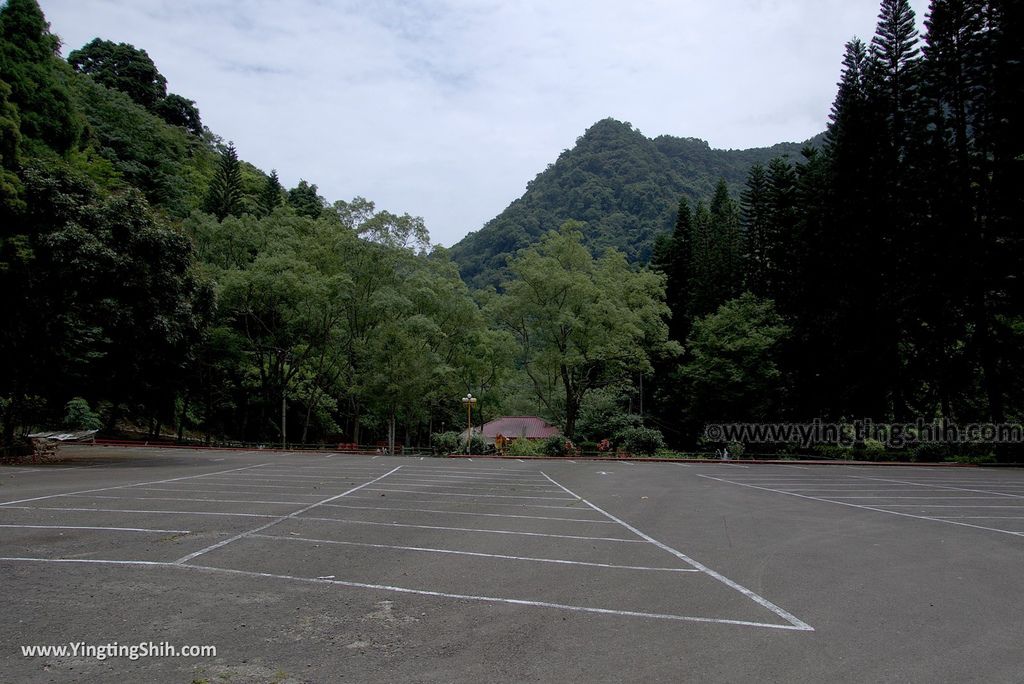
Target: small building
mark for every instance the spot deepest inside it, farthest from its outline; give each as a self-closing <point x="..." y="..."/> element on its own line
<point x="515" y="427"/>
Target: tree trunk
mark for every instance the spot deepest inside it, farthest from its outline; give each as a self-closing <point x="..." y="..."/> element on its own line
<point x="391" y="433"/>
<point x="572" y="404"/>
<point x="284" y="419"/>
<point x="305" y="427"/>
<point x="355" y="424"/>
<point x="181" y="417"/>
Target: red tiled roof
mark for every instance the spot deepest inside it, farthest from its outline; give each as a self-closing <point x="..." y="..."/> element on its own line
<point x="530" y="427"/>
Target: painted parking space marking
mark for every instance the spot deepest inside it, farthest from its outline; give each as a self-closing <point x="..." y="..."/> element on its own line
<point x="461" y="502"/>
<point x="139" y="511"/>
<point x="225" y="542"/>
<point x="137" y="484"/>
<point x="474" y="529"/>
<point x="794" y="622"/>
<point x="484" y="496"/>
<point x="872" y="508"/>
<point x="217" y="491"/>
<point x="476" y="513"/>
<point x="413" y="591"/>
<point x="470" y="495"/>
<point x="177" y="498"/>
<point x="499" y="556"/>
<point x="482" y="487"/>
<point x="94" y="527"/>
<point x="938" y="486"/>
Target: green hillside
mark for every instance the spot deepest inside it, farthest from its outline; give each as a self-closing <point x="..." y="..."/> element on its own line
<point x="623" y="185"/>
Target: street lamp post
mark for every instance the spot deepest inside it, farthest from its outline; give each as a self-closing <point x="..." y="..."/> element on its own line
<point x="469" y="400"/>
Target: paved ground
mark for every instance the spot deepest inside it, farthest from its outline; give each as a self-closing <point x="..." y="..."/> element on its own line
<point x="322" y="568"/>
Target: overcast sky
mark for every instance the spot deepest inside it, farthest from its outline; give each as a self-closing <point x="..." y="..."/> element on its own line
<point x="447" y="109"/>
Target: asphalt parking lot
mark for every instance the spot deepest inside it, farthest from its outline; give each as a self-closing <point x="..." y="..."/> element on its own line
<point x="305" y="567"/>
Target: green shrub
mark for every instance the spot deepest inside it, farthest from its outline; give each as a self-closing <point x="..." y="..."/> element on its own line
<point x="447" y="442"/>
<point x="640" y="440"/>
<point x="557" y="446"/>
<point x="929" y="452"/>
<point x="78" y="415"/>
<point x="525" y="447"/>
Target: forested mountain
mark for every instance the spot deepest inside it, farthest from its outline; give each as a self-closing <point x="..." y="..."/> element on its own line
<point x="622" y="185"/>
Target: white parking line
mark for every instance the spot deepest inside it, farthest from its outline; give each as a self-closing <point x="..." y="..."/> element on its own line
<point x="474" y="529"/>
<point x="517" y="602"/>
<point x="238" y="483"/>
<point x="516" y="504"/>
<point x="488" y="515"/>
<point x="302" y="478"/>
<point x="175" y="498"/>
<point x="475" y="553"/>
<point x="937" y="486"/>
<point x="137" y="484"/>
<point x="93" y="527"/>
<point x="340" y="467"/>
<point x="501" y="477"/>
<point x="880" y="510"/>
<point x="981" y="517"/>
<point x="844" y="489"/>
<point x="486" y="487"/>
<point x="471" y="485"/>
<point x="794" y="622"/>
<point x="1017" y="506"/>
<point x="475" y="478"/>
<point x="927" y="498"/>
<point x="469" y="471"/>
<point x="484" y="496"/>
<point x="280" y="519"/>
<point x="419" y="592"/>
<point x="82" y="560"/>
<point x="217" y="491"/>
<point x="131" y="510"/>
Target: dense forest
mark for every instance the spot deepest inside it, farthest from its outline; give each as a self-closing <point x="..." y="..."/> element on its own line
<point x="152" y="281"/>
<point x="622" y="185"/>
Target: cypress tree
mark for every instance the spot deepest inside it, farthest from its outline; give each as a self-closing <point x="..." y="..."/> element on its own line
<point x="848" y="107"/>
<point x="780" y="224"/>
<point x="224" y="197"/>
<point x="895" y="70"/>
<point x="272" y="195"/>
<point x="727" y="239"/>
<point x="672" y="256"/>
<point x="754" y="218"/>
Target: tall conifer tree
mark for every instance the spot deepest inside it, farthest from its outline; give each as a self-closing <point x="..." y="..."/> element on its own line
<point x="272" y="195"/>
<point x="224" y="197"/>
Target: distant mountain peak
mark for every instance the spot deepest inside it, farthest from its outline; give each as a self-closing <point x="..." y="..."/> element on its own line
<point x="624" y="186"/>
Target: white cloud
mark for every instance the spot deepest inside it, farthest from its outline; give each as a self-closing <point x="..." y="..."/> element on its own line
<point x="447" y="109"/>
